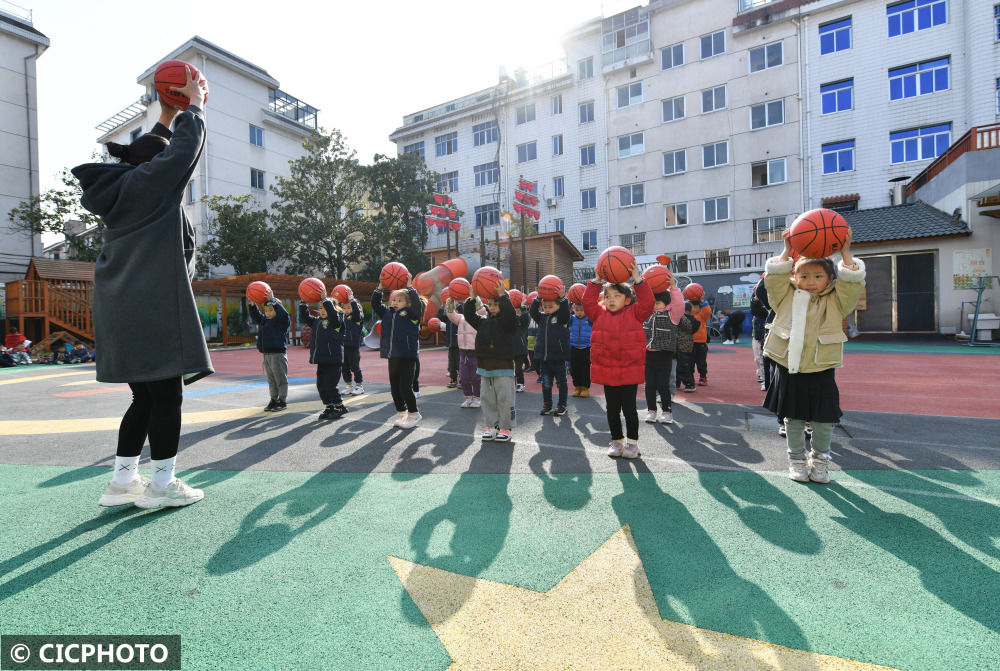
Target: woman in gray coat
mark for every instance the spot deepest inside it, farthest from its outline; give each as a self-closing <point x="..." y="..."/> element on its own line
<point x="145" y="318"/>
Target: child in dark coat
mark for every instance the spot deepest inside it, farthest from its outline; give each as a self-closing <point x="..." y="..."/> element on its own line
<point x="400" y="344"/>
<point x="272" y="341"/>
<point x="326" y="350"/>
<point x="552" y="350"/>
<point x="354" y="317"/>
<point x="495" y="362"/>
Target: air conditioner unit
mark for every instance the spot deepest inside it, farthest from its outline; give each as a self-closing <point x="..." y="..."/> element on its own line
<point x="551" y="202"/>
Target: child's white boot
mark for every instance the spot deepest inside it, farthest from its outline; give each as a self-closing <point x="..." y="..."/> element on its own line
<point x="798" y="470"/>
<point x="819" y="467"/>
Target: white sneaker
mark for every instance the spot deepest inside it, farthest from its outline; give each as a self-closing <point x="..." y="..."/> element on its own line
<point x="475" y="403"/>
<point x="519" y="388"/>
<point x="798" y="470"/>
<point x="400" y="418"/>
<point x="666" y="417"/>
<point x="631" y="450"/>
<point x="416" y="394"/>
<point x="489" y="434"/>
<point x="727" y="342"/>
<point x="616" y="448"/>
<point x="119" y="495"/>
<point x="174" y="495"/>
<point x="412" y="419"/>
<point x="358" y="390"/>
<point x="763" y="386"/>
<point x="819" y="467"/>
<point x="782" y="431"/>
<point x="651" y="417"/>
<point x="467" y="403"/>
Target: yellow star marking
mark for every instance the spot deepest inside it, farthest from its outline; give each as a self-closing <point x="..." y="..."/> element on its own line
<point x="600" y="616"/>
<point x="32" y="378"/>
<point x="47" y="426"/>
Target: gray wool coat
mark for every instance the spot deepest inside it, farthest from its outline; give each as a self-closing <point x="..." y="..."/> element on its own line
<point x="146" y="322"/>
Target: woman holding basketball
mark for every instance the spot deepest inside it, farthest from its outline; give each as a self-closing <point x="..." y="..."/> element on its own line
<point x="143" y="276"/>
<point x="806" y="341"/>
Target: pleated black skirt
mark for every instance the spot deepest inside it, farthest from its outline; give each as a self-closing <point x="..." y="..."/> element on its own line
<point x="810" y="396"/>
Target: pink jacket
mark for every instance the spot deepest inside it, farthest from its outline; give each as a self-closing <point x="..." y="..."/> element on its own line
<point x="466" y="334"/>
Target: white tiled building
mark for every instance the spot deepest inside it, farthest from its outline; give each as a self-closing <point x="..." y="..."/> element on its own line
<point x="254" y="128"/>
<point x="20" y="45"/>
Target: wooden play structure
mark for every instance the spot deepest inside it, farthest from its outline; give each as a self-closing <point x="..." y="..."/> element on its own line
<point x="54" y="296"/>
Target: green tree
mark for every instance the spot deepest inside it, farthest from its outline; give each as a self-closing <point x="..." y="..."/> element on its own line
<point x="320" y="211"/>
<point x="240" y="235"/>
<point x="399" y="190"/>
<point x="50" y="211"/>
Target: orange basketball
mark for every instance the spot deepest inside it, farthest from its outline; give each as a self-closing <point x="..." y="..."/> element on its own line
<point x="532" y="296"/>
<point x="434" y="324"/>
<point x="485" y="282"/>
<point x="551" y="288"/>
<point x="615" y="265"/>
<point x="818" y="233"/>
<point x="312" y="290"/>
<point x="658" y="278"/>
<point x="341" y="293"/>
<point x="393" y="276"/>
<point x="516" y="297"/>
<point x="171" y="74"/>
<point x="257" y="292"/>
<point x="459" y="288"/>
<point x="445" y="294"/>
<point x="694" y="292"/>
<point x="575" y="293"/>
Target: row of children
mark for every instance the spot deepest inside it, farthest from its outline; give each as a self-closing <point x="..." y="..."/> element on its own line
<point x="16" y="351"/>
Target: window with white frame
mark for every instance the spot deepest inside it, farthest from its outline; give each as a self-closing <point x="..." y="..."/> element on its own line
<point x="680" y="262"/>
<point x="448" y="182"/>
<point x="630" y="145"/>
<point x="486" y="174"/>
<point x="717" y="259"/>
<point x="415" y="147"/>
<point x="190" y="191"/>
<point x="913" y="15"/>
<point x="256" y="178"/>
<point x="767" y="56"/>
<point x="917" y="144"/>
<point x="446" y="144"/>
<point x="485" y="133"/>
<point x="256" y="136"/>
<point x="716" y="209"/>
<point x="766" y="173"/>
<point x="589" y="241"/>
<point x="674" y="162"/>
<point x="837" y="96"/>
<point x="630" y="94"/>
<point x="525" y="113"/>
<point x="557" y="145"/>
<point x="835" y="36"/>
<point x="768" y="229"/>
<point x="767" y="114"/>
<point x="527" y="152"/>
<point x="487" y="215"/>
<point x="631" y="194"/>
<point x="675" y="214"/>
<point x="557" y="104"/>
<point x="672" y="56"/>
<point x="587" y="112"/>
<point x="713" y="99"/>
<point x="587" y="155"/>
<point x="838" y="157"/>
<point x="996" y="23"/>
<point x="634" y="242"/>
<point x="713" y="155"/>
<point x="588" y="199"/>
<point x="585" y="68"/>
<point x="558" y="187"/>
<point x="713" y="45"/>
<point x="559" y="225"/>
<point x="919" y="79"/>
<point x="672" y="109"/>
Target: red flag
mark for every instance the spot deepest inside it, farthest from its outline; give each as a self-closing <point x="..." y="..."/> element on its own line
<point x="440" y="198"/>
<point x="526" y="185"/>
<point x="453" y="214"/>
<point x="456" y="226"/>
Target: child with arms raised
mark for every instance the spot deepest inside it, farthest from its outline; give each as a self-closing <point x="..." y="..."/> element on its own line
<point x="326" y="350"/>
<point x="272" y="341"/>
<point x="661" y="345"/>
<point x="400" y="344"/>
<point x="495" y="362"/>
<point x="552" y="349"/>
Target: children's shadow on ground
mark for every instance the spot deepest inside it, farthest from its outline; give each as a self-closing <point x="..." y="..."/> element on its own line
<point x="691" y="579"/>
<point x="477" y="512"/>
<point x="307" y="506"/>
<point x="412" y="463"/>
<point x="564" y="469"/>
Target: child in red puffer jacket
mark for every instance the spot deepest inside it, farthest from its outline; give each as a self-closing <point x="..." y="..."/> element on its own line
<point x="618" y="353"/>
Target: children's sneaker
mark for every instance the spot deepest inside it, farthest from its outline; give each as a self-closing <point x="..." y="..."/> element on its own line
<point x="400" y="418"/>
<point x="327" y="413"/>
<point x="651" y="417"/>
<point x="702" y="381"/>
<point x="782" y="431"/>
<point x="763" y="386"/>
<point x="666" y="417"/>
<point x="412" y="419"/>
<point x="279" y="406"/>
<point x="819" y="468"/>
<point x="452" y="385"/>
<point x="358" y="390"/>
<point x="631" y="450"/>
<point x="503" y="436"/>
<point x="798" y="470"/>
<point x="174" y="495"/>
<point x="546" y="409"/>
<point x="416" y="394"/>
<point x="489" y="434"/>
<point x="270" y="406"/>
<point x="339" y="411"/>
<point x="690" y="388"/>
<point x="467" y="403"/>
<point x="576" y="391"/>
<point x="584" y="392"/>
<point x="727" y="342"/>
<point x="616" y="448"/>
<point x="809" y="431"/>
<point x="119" y="495"/>
<point x="560" y="410"/>
<point x="475" y="403"/>
<point x="519" y="388"/>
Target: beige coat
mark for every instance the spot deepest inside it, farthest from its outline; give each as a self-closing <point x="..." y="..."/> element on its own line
<point x="807" y="333"/>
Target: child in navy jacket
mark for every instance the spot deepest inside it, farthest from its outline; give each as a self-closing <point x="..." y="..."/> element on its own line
<point x="272" y="340"/>
<point x="400" y="344"/>
<point x="552" y="349"/>
<point x="326" y="350"/>
<point x="354" y="317"/>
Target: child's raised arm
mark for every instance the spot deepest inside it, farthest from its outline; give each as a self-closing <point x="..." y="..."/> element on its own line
<point x="377" y="306"/>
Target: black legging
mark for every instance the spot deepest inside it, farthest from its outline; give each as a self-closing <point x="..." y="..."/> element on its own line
<point x="621" y="399"/>
<point x="659" y="365"/>
<point x="155" y="412"/>
<point x="401" y="383"/>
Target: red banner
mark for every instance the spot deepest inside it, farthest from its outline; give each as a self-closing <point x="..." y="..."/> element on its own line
<point x="456" y="226"/>
<point x="526" y="185"/>
<point x="526" y="198"/>
<point x="453" y="214"/>
<point x="441" y="199"/>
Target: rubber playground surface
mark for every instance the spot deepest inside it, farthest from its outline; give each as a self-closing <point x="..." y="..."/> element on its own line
<point x="355" y="545"/>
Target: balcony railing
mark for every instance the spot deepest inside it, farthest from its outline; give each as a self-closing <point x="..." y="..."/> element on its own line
<point x="292" y="108"/>
<point x="977" y="139"/>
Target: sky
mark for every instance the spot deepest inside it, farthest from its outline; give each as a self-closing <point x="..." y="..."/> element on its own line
<point x="364" y="65"/>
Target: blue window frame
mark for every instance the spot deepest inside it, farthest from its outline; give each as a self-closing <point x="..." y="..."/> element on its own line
<point x="912" y="15"/>
<point x="527" y="152"/>
<point x="838" y="157"/>
<point x="559" y="225"/>
<point x="446" y="144"/>
<point x="586" y="112"/>
<point x="486" y="174"/>
<point x="917" y="80"/>
<point x="996" y="22"/>
<point x="484" y="133"/>
<point x="256" y="136"/>
<point x="918" y="144"/>
<point x="416" y="146"/>
<point x="589" y="241"/>
<point x="487" y="215"/>
<point x="835" y="36"/>
<point x="558" y="187"/>
<point x="588" y="199"/>
<point x="448" y="182"/>
<point x="256" y="178"/>
<point x="587" y="156"/>
<point x="837" y="97"/>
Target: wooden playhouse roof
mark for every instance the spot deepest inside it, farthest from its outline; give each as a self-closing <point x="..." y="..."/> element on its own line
<point x="59" y="269"/>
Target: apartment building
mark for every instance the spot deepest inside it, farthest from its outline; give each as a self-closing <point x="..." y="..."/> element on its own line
<point x="254" y="129"/>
